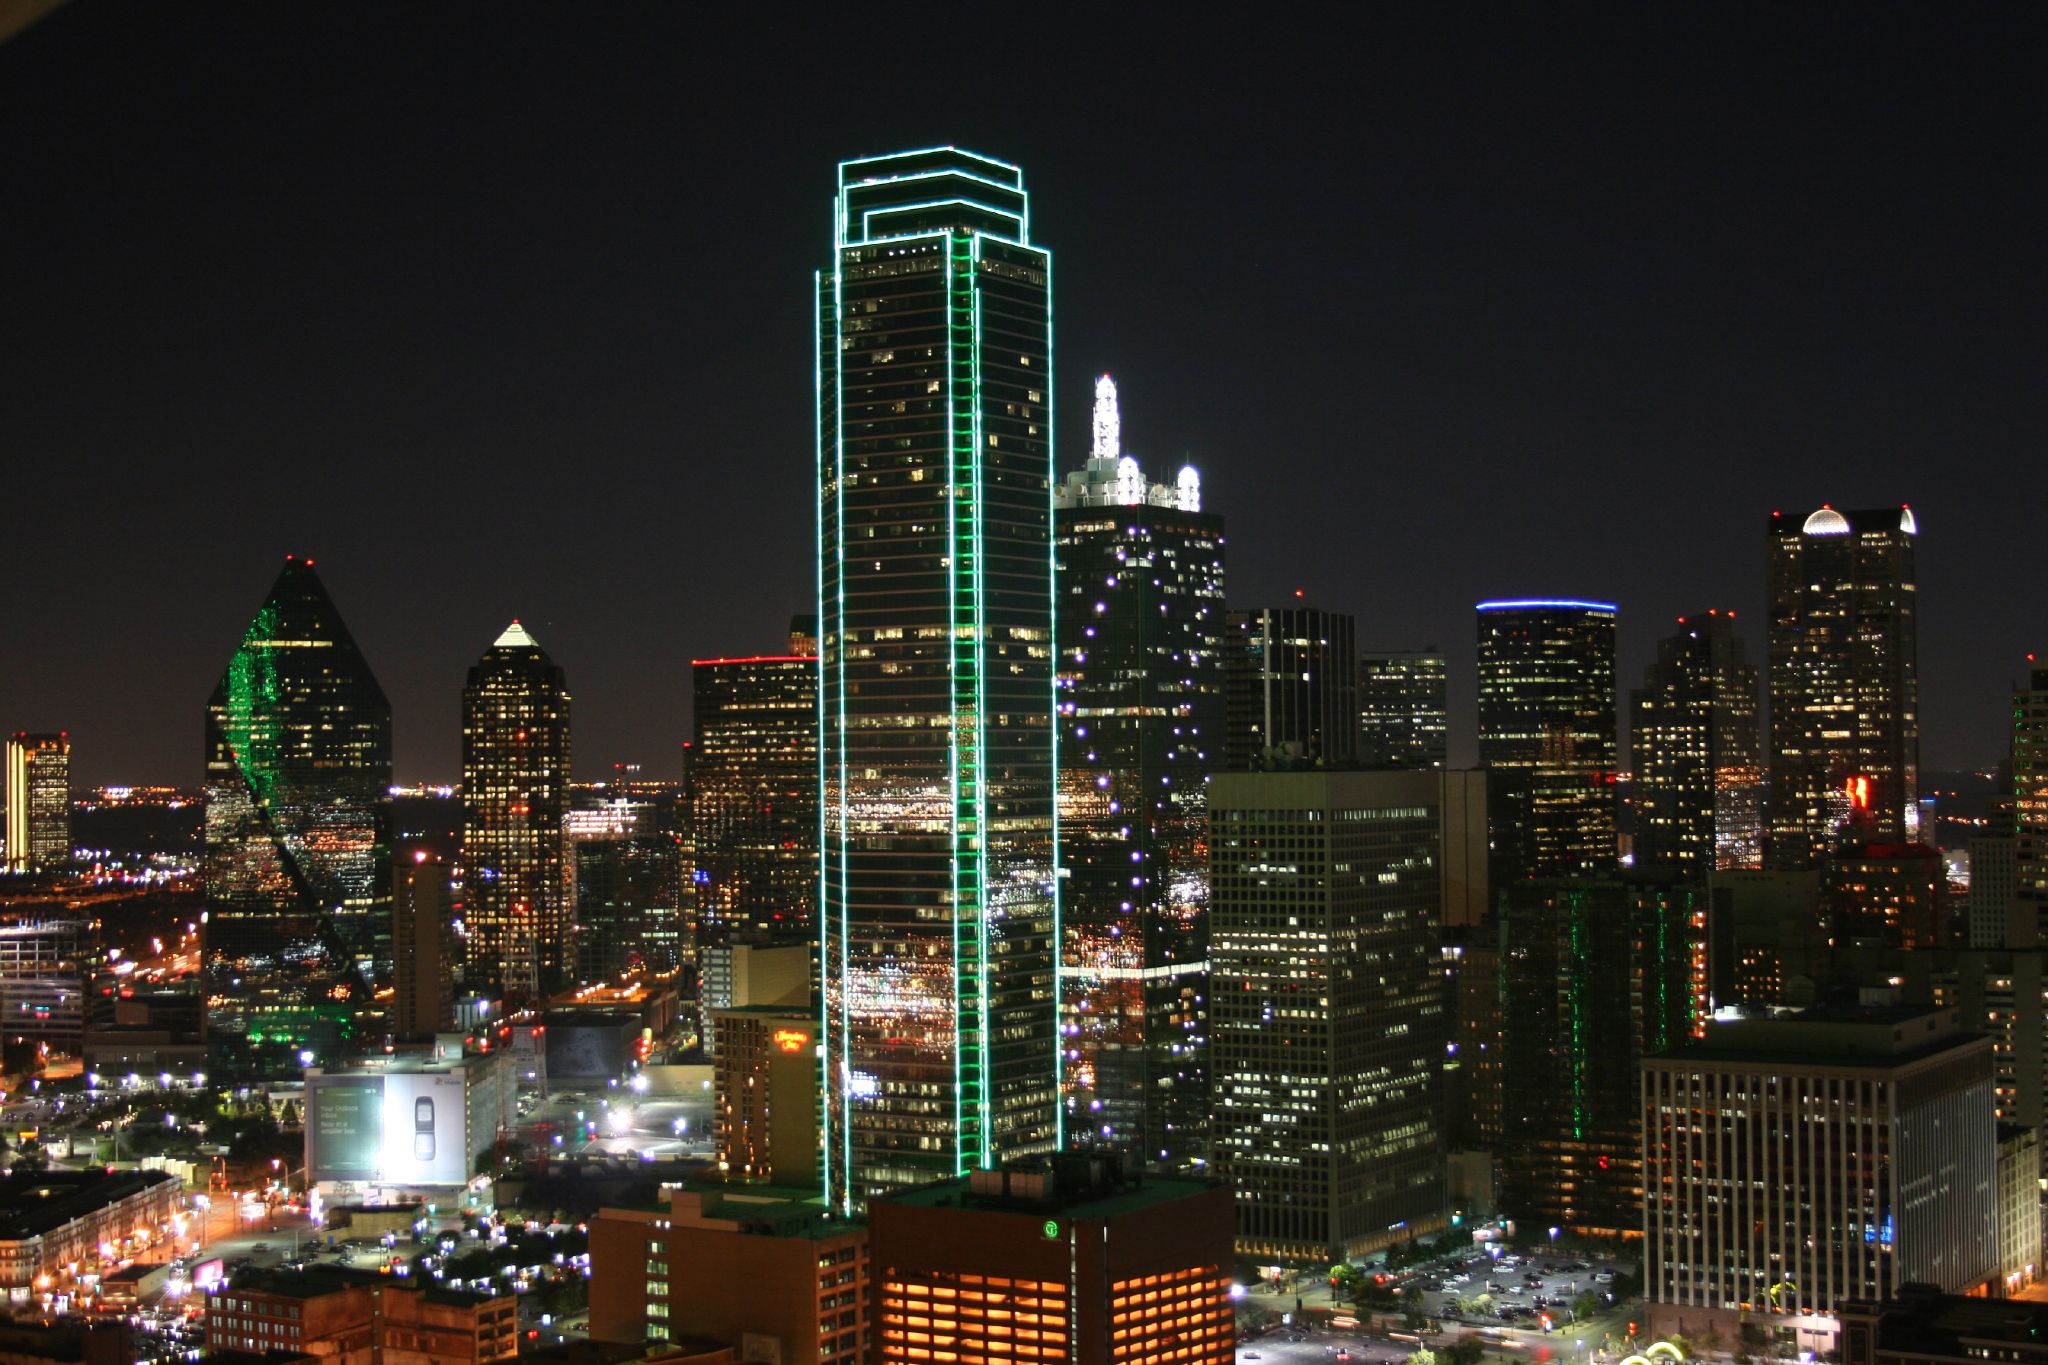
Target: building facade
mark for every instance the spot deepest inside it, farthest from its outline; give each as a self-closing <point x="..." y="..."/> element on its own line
<point x="360" y="1319"/>
<point x="1291" y="683"/>
<point x="1403" y="711"/>
<point x="1141" y="716"/>
<point x="1327" y="1016"/>
<point x="935" y="463"/>
<point x="625" y="885"/>
<point x="776" y="1279"/>
<point x="60" y="1225"/>
<point x="38" y="801"/>
<point x="765" y="1093"/>
<point x="1594" y="975"/>
<point x="1845" y="689"/>
<point x="1065" y="1260"/>
<point x="1696" y="753"/>
<point x="518" y="888"/>
<point x="425" y="903"/>
<point x="754" y="797"/>
<point x="1547" y="734"/>
<point x="1794" y="1164"/>
<point x="297" y="866"/>
<point x="2030" y="805"/>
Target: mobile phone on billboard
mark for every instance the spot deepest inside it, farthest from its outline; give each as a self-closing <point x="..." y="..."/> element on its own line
<point x="423" y="1129"/>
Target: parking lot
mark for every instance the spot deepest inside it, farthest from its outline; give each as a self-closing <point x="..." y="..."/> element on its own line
<point x="1490" y="1290"/>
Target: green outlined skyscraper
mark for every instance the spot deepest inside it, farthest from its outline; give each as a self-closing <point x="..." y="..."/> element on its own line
<point x="938" y="906"/>
<point x="298" y="774"/>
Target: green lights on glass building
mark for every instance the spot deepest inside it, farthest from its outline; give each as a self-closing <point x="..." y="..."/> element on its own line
<point x="298" y="859"/>
<point x="938" y="917"/>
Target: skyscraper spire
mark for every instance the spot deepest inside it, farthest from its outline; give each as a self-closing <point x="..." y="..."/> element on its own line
<point x="1109" y="438"/>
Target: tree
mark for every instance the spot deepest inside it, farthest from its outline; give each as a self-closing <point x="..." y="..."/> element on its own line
<point x="1422" y="1355"/>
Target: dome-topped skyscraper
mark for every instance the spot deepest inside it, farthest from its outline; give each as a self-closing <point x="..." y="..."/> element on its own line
<point x="515" y="791"/>
<point x="1845" y="678"/>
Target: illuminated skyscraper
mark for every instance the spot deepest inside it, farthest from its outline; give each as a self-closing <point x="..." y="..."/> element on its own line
<point x="515" y="794"/>
<point x="1141" y="726"/>
<point x="2030" y="804"/>
<point x="935" y="444"/>
<point x="1696" y="753"/>
<point x="1291" y="681"/>
<point x="298" y="774"/>
<point x="38" y="801"/>
<point x="1327" y="1008"/>
<point x="754" y="795"/>
<point x="1403" y="719"/>
<point x="1845" y="682"/>
<point x="1546" y="729"/>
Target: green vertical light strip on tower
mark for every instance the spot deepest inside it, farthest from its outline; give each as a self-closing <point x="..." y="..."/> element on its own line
<point x="984" y="1105"/>
<point x="1575" y="995"/>
<point x="961" y="1080"/>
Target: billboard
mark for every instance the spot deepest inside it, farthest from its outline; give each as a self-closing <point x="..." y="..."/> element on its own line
<point x="426" y="1123"/>
<point x="344" y="1127"/>
<point x="401" y="1128"/>
<point x="589" y="1047"/>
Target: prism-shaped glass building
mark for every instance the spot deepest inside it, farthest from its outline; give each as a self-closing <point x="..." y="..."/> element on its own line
<point x="298" y="774"/>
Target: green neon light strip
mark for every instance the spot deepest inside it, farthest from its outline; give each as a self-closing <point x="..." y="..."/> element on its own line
<point x="867" y="215"/>
<point x="985" y="1101"/>
<point x="932" y="151"/>
<point x="953" y="694"/>
<point x="838" y="1103"/>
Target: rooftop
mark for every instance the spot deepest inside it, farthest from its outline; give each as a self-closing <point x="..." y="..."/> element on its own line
<point x="1107" y="1196"/>
<point x="1921" y="1321"/>
<point x="1880" y="1036"/>
<point x="31" y="1205"/>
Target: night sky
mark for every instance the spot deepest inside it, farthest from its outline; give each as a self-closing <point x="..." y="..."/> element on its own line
<point x="504" y="311"/>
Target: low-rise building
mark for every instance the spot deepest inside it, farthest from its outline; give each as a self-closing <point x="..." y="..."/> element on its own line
<point x="660" y="1275"/>
<point x="2019" y="1205"/>
<point x="1921" y="1326"/>
<point x="1073" y="1259"/>
<point x="345" y="1318"/>
<point x="52" y="1220"/>
<point x="67" y="1341"/>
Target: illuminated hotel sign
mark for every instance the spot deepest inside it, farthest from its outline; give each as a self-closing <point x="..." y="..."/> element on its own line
<point x="792" y="1040"/>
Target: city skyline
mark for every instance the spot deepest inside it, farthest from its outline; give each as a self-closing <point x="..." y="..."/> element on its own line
<point x="1660" y="358"/>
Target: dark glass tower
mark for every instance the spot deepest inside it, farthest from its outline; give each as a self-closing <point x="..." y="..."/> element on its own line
<point x="1291" y="682"/>
<point x="1845" y="682"/>
<point x="515" y="793"/>
<point x="298" y="775"/>
<point x="754" y="797"/>
<point x="1403" y="716"/>
<point x="938" y="909"/>
<point x="1141" y="727"/>
<point x="1546" y="730"/>
<point x="1696" y="753"/>
<point x="1595" y="975"/>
